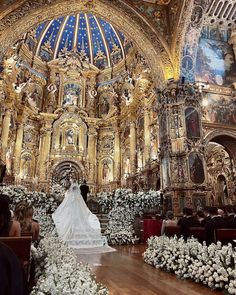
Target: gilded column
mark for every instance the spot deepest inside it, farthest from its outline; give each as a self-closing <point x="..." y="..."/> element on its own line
<point x="133" y="150"/>
<point x="18" y="145"/>
<point x="117" y="155"/>
<point x="5" y="133"/>
<point x="92" y="153"/>
<point x="147" y="137"/>
<point x="44" y="152"/>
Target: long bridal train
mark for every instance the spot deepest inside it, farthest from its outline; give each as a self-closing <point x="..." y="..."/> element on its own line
<point x="77" y="226"/>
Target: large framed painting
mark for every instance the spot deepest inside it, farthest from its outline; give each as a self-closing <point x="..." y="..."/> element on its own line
<point x="220" y="109"/>
<point x="215" y="58"/>
<point x="196" y="168"/>
<point x="199" y="202"/>
<point x="192" y="123"/>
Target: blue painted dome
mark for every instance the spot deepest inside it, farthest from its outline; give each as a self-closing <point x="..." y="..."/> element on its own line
<point x="101" y="43"/>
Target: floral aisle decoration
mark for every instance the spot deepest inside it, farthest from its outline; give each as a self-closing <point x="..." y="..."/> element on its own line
<point x="43" y="203"/>
<point x="58" y="272"/>
<point x="57" y="269"/>
<point x="126" y="205"/>
<point x="213" y="266"/>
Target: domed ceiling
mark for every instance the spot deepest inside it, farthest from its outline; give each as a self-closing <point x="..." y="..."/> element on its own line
<point x="97" y="40"/>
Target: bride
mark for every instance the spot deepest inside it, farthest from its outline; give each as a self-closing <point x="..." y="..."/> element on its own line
<point x="75" y="223"/>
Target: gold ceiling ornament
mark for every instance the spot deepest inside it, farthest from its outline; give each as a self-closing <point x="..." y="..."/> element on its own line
<point x="151" y="44"/>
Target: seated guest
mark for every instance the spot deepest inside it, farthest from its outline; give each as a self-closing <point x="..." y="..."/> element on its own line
<point x="169" y="221"/>
<point x="8" y="226"/>
<point x="200" y="217"/>
<point x="230" y="216"/>
<point x="24" y="214"/>
<point x="34" y="223"/>
<point x="187" y="221"/>
<point x="221" y="212"/>
<point x="207" y="215"/>
<point x="12" y="277"/>
<point x="214" y="223"/>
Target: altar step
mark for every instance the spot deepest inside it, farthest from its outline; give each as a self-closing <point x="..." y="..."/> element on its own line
<point x="103" y="218"/>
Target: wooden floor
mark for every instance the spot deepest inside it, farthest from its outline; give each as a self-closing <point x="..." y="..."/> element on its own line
<point x="125" y="273"/>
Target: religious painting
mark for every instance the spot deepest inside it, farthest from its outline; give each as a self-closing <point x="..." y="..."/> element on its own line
<point x="219" y="109"/>
<point x="215" y="58"/>
<point x="71" y="95"/>
<point x="199" y="202"/>
<point x="196" y="168"/>
<point x="154" y="12"/>
<point x="192" y="123"/>
<point x="163" y="127"/>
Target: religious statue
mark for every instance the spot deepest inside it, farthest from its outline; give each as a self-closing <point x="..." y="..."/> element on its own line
<point x="51" y="97"/>
<point x="106" y="172"/>
<point x="70" y="98"/>
<point x="104" y="106"/>
<point x="70" y="137"/>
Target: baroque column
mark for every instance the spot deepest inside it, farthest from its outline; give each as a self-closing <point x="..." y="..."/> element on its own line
<point x="5" y="132"/>
<point x="117" y="154"/>
<point x="133" y="148"/>
<point x="19" y="140"/>
<point x="147" y="137"/>
<point x="92" y="153"/>
<point x="45" y="146"/>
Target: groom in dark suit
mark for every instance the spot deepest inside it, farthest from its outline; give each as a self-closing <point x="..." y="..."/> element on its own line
<point x="84" y="191"/>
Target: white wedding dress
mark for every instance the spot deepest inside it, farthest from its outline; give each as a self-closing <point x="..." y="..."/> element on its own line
<point x="76" y="224"/>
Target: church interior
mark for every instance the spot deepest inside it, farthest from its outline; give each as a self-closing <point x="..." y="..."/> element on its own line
<point x="136" y="95"/>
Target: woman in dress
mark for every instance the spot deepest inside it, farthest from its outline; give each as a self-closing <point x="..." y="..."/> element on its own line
<point x="75" y="223"/>
<point x="8" y="226"/>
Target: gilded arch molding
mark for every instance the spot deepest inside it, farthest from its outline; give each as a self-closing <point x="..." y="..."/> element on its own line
<point x="31" y="13"/>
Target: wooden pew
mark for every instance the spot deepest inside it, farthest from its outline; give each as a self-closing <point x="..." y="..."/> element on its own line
<point x="225" y="235"/>
<point x="171" y="231"/>
<point x="198" y="233"/>
<point x="21" y="247"/>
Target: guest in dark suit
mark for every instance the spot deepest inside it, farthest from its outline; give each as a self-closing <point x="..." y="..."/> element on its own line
<point x="230" y="216"/>
<point x="207" y="215"/>
<point x="84" y="191"/>
<point x="187" y="221"/>
<point x="214" y="223"/>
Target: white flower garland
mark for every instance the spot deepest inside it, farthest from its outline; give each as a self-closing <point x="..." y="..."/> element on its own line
<point x="213" y="266"/>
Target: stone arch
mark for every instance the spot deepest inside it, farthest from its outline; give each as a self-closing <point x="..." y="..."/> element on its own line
<point x="63" y="166"/>
<point x="226" y="138"/>
<point x="150" y="44"/>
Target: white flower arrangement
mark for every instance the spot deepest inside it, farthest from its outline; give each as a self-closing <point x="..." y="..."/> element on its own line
<point x="125" y="206"/>
<point x="58" y="271"/>
<point x="213" y="266"/>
